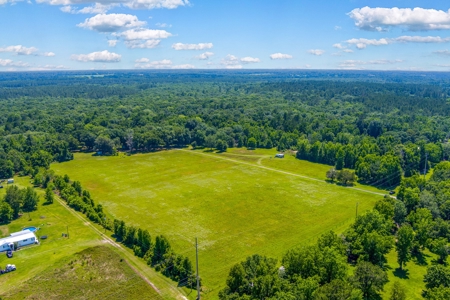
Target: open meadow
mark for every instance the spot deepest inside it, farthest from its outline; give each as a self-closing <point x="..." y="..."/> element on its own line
<point x="43" y="271"/>
<point x="234" y="205"/>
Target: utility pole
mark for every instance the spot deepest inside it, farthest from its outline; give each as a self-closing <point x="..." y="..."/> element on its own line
<point x="425" y="169"/>
<point x="198" y="278"/>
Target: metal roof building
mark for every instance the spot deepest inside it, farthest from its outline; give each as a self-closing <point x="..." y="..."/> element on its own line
<point x="18" y="239"/>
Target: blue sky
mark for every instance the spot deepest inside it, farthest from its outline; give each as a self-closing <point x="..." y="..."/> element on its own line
<point x="219" y="34"/>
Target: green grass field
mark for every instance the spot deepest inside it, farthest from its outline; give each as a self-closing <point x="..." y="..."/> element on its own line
<point x="53" y="220"/>
<point x="94" y="273"/>
<point x="235" y="208"/>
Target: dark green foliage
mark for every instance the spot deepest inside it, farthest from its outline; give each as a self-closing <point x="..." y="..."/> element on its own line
<point x="370" y="279"/>
<point x="437" y="276"/>
<point x="369" y="238"/>
<point x="404" y="245"/>
<point x="30" y="200"/>
<point x="14" y="197"/>
<point x="6" y="168"/>
<point x="6" y="212"/>
<point x="398" y="292"/>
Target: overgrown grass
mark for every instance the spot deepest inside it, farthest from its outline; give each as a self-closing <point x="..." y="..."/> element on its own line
<point x="94" y="273"/>
<point x="234" y="209"/>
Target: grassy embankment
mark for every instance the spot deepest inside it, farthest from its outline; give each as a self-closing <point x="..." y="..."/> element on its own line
<point x="235" y="208"/>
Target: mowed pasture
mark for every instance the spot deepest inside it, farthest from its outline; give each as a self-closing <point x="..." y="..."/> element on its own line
<point x="235" y="208"/>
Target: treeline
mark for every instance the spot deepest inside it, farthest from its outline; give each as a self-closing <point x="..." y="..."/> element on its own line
<point x="158" y="254"/>
<point x="332" y="122"/>
<point x="17" y="201"/>
<point x="418" y="220"/>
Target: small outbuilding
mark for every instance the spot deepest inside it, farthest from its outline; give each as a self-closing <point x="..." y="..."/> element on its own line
<point x="18" y="239"/>
<point x="10" y="181"/>
<point x="279" y="155"/>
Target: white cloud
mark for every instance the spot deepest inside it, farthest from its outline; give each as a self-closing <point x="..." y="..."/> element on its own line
<point x="205" y="56"/>
<point x="185" y="66"/>
<point x="356" y="63"/>
<point x="97" y="8"/>
<point x="145" y="63"/>
<point x="111" y="22"/>
<point x="317" y="52"/>
<point x="11" y="63"/>
<point x="163" y="25"/>
<point x="48" y="54"/>
<point x="134" y="4"/>
<point x="151" y="4"/>
<point x="442" y="52"/>
<point x="363" y="43"/>
<point x="112" y="43"/>
<point x="442" y="65"/>
<point x="136" y="44"/>
<point x="347" y="50"/>
<point x="201" y="46"/>
<point x="101" y="56"/>
<point x="280" y="56"/>
<point x="142" y="60"/>
<point x="49" y="67"/>
<point x="421" y="39"/>
<point x="250" y="60"/>
<point x="230" y="60"/>
<point x="339" y="46"/>
<point x="417" y="19"/>
<point x="235" y="67"/>
<point x="143" y="34"/>
<point x="337" y="27"/>
<point x="20" y="50"/>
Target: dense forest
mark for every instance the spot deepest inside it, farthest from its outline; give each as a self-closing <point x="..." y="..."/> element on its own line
<point x="382" y="128"/>
<point x="390" y="128"/>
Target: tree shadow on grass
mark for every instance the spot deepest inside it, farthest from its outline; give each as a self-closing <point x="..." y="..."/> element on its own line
<point x="420" y="258"/>
<point x="403" y="274"/>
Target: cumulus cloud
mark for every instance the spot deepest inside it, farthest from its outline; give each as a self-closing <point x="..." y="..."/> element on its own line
<point x="362" y="43"/>
<point x="143" y="34"/>
<point x="97" y="8"/>
<point x="249" y="60"/>
<point x="359" y="63"/>
<point x="101" y="56"/>
<point x="136" y="44"/>
<point x="417" y="19"/>
<point x="205" y="56"/>
<point x="317" y="52"/>
<point x="201" y="46"/>
<point x="11" y="63"/>
<point x="20" y="50"/>
<point x="111" y="22"/>
<point x="442" y="52"/>
<point x="145" y="63"/>
<point x="112" y="43"/>
<point x="280" y="56"/>
<point x="339" y="46"/>
<point x="134" y="4"/>
<point x="234" y="67"/>
<point x="230" y="60"/>
<point x="163" y="25"/>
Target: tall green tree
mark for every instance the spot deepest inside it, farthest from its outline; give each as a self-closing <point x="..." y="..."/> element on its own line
<point x="405" y="242"/>
<point x="370" y="279"/>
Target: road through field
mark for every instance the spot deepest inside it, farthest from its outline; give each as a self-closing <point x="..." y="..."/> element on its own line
<point x="259" y="165"/>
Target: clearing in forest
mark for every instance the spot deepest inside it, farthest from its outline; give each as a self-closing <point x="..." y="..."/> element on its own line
<point x="235" y="208"/>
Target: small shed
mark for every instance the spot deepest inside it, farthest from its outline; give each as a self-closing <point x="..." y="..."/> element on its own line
<point x="279" y="155"/>
<point x="10" y="181"/>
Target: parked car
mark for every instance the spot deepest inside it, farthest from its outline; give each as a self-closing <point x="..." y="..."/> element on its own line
<point x="391" y="192"/>
<point x="1" y="186"/>
<point x="9" y="253"/>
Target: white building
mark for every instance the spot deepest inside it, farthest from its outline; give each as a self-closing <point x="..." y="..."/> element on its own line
<point x="18" y="239"/>
<point x="10" y="181"/>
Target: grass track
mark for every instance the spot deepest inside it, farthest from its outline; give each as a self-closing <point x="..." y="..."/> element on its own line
<point x="234" y="209"/>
